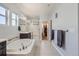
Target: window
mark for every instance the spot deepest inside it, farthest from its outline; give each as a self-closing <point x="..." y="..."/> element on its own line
<point x="14" y="19"/>
<point x="8" y="17"/>
<point x="2" y="15"/>
<point x="17" y="20"/>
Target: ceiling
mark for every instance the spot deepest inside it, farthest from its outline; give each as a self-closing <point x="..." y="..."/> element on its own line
<point x="31" y="9"/>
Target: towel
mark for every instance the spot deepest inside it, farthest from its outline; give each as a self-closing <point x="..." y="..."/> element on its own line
<point x="60" y="38"/>
<point x="52" y="35"/>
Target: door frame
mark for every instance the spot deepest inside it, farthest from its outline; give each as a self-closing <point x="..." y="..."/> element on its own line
<point x="49" y="29"/>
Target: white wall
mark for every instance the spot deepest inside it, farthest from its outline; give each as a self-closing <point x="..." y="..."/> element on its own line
<point x="67" y="19"/>
<point x="78" y="29"/>
<point x="8" y="31"/>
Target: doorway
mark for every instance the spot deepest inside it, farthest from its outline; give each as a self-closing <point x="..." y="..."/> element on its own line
<point x="45" y="30"/>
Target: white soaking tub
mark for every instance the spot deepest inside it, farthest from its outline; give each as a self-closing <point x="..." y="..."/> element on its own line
<point x="20" y="47"/>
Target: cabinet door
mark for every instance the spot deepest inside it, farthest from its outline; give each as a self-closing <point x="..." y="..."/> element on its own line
<point x="3" y="48"/>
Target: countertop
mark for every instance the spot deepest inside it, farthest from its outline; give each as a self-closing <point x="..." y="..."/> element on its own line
<point x="6" y="39"/>
<point x="1" y="40"/>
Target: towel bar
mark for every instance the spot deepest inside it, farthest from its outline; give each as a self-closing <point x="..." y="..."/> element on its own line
<point x="66" y="30"/>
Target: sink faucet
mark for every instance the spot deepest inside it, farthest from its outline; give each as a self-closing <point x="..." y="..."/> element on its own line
<point x="22" y="46"/>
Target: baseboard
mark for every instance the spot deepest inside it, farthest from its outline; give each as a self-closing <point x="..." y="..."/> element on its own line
<point x="57" y="49"/>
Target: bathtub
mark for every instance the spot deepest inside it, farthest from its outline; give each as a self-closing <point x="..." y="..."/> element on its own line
<point x="20" y="47"/>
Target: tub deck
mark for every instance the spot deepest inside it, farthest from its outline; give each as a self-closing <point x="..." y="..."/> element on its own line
<point x="20" y="47"/>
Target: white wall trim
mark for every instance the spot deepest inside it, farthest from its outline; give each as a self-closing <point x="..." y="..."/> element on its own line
<point x="57" y="49"/>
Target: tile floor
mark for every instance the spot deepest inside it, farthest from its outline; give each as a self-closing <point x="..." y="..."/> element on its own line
<point x="45" y="48"/>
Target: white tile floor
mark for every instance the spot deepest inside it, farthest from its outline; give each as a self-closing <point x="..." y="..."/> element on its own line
<point x="45" y="48"/>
